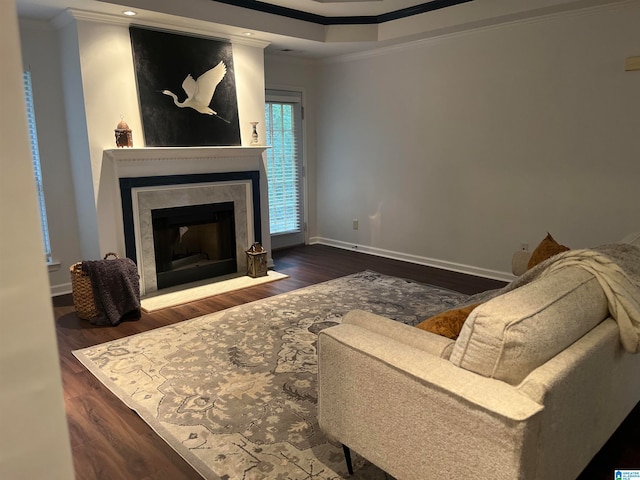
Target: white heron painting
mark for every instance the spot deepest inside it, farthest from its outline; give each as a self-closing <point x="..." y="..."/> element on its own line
<point x="186" y="87"/>
<point x="200" y="92"/>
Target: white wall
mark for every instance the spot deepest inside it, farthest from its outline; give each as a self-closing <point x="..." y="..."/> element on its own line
<point x="109" y="89"/>
<point x="456" y="150"/>
<point x="40" y="55"/>
<point x="34" y="441"/>
<point x="83" y="82"/>
<point x="76" y="121"/>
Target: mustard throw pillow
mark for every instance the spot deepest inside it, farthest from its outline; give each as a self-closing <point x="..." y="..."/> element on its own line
<point x="449" y="323"/>
<point x="547" y="248"/>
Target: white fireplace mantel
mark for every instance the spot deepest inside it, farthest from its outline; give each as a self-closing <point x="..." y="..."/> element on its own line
<point x="179" y="160"/>
<point x="159" y="161"/>
<point x="181" y="152"/>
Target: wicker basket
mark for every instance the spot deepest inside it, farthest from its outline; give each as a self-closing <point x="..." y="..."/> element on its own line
<point x="82" y="291"/>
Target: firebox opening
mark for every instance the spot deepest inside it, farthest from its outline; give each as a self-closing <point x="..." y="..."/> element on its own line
<point x="193" y="243"/>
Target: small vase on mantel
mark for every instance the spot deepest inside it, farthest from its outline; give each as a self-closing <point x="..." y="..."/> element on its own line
<point x="254" y="133"/>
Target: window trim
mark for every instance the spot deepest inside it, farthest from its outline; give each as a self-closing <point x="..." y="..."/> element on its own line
<point x="294" y="97"/>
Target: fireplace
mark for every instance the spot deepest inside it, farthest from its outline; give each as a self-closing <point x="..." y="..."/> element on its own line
<point x="145" y="187"/>
<point x="199" y="200"/>
<point x="194" y="242"/>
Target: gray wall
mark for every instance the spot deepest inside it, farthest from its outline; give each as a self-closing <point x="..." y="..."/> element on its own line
<point x="454" y="151"/>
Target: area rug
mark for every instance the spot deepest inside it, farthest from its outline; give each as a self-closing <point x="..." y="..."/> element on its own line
<point x="171" y="297"/>
<point x="234" y="392"/>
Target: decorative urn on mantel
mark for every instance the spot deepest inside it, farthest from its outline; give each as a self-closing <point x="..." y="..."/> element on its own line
<point x="124" y="138"/>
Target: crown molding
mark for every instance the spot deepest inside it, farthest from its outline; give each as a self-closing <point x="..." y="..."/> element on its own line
<point x="473" y="29"/>
<point x="176" y="25"/>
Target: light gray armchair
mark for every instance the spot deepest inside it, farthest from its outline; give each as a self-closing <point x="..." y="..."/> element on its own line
<point x="533" y="387"/>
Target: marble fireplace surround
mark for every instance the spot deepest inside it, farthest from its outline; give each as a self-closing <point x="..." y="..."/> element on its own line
<point x="148" y="178"/>
<point x="139" y="232"/>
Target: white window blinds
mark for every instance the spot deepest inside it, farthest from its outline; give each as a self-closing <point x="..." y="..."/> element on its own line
<point x="283" y="117"/>
<point x="35" y="156"/>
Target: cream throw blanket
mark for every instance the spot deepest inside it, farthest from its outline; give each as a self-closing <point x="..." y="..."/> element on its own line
<point x="617" y="269"/>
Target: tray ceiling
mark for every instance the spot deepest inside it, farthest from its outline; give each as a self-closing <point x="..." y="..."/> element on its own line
<point x="336" y="12"/>
<point x="313" y="28"/>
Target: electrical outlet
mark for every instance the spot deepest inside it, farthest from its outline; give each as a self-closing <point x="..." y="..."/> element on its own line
<point x="355" y="223"/>
<point x="524" y="247"/>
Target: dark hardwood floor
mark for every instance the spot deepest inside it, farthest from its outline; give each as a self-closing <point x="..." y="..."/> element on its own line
<point x="109" y="441"/>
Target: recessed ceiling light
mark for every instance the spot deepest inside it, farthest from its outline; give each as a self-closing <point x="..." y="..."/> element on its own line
<point x="248" y="34"/>
<point x="129" y="13"/>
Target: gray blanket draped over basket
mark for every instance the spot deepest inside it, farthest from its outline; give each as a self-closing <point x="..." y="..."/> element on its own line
<point x="116" y="289"/>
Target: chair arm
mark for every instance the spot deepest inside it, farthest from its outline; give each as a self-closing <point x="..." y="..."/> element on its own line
<point x="420" y="339"/>
<point x="416" y="415"/>
<point x="587" y="390"/>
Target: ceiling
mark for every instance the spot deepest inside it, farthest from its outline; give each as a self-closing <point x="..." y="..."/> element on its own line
<point x="312" y="28"/>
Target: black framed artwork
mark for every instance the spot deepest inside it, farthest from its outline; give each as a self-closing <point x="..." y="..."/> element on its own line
<point x="186" y="88"/>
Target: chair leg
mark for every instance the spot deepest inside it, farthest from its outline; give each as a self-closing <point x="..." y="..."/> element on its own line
<point x="347" y="457"/>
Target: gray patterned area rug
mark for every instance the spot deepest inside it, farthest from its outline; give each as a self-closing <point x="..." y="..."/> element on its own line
<point x="234" y="392"/>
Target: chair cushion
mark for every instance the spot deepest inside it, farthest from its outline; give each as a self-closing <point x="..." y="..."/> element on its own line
<point x="510" y="335"/>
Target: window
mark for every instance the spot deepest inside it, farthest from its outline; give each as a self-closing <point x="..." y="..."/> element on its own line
<point x="35" y="156"/>
<point x="283" y="113"/>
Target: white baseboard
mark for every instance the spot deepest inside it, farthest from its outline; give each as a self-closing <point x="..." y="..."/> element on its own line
<point x="61" y="289"/>
<point x="406" y="257"/>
